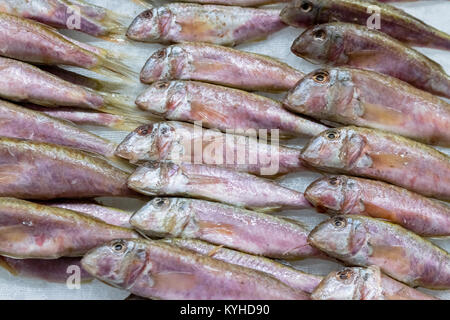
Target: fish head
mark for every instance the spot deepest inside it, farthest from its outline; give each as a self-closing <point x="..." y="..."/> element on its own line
<point x="161" y="97"/>
<point x="321" y="44"/>
<point x="341" y="237"/>
<point x="148" y="142"/>
<point x="336" y="194"/>
<point x="301" y="13"/>
<point x="151" y="25"/>
<point x="119" y="262"/>
<point x="337" y="149"/>
<point x="162" y="217"/>
<point x="350" y="284"/>
<point x="167" y="63"/>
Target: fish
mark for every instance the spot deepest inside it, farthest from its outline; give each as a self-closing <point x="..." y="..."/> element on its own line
<point x="238" y="189"/>
<point x="392" y="21"/>
<point x="243" y="230"/>
<point x="241" y="3"/>
<point x="356" y="196"/>
<point x="372" y="100"/>
<point x="223" y="108"/>
<point x="158" y="270"/>
<point x="56" y="271"/>
<point x="183" y="142"/>
<point x="41" y="171"/>
<point x="109" y="215"/>
<point x="21" y="123"/>
<point x="345" y="44"/>
<point x="401" y="254"/>
<point x="222" y="25"/>
<point x="219" y="65"/>
<point x="64" y="14"/>
<point x="34" y="231"/>
<point x="364" y="284"/>
<point x="382" y="156"/>
<point x="292" y="277"/>
<point x="31" y="41"/>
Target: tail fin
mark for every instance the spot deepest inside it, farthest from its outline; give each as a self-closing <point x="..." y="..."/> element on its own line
<point x="110" y="64"/>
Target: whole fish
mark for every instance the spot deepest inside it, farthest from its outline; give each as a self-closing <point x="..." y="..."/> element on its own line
<point x="222" y="108"/>
<point x="224" y="25"/>
<point x="345" y="44"/>
<point x="292" y="277"/>
<point x="392" y="21"/>
<point x="153" y="269"/>
<point x="109" y="215"/>
<point x="369" y="99"/>
<point x="214" y="183"/>
<point x="31" y="230"/>
<point x="56" y="270"/>
<point x="21" y="123"/>
<point x="364" y="284"/>
<point x="382" y="156"/>
<point x="31" y="41"/>
<point x="349" y="195"/>
<point x="219" y="65"/>
<point x="236" y="228"/>
<point x="65" y="14"/>
<point x="401" y="254"/>
<point x="183" y="142"/>
<point x="35" y="170"/>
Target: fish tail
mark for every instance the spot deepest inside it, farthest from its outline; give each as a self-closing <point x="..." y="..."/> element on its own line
<point x="110" y="64"/>
<point x="125" y="124"/>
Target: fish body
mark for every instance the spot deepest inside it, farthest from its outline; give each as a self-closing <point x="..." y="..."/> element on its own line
<point x="223" y="25"/>
<point x="364" y="284"/>
<point x="21" y="123"/>
<point x="158" y="270"/>
<point x="393" y="21"/>
<point x="292" y="277"/>
<point x="223" y="108"/>
<point x="345" y="44"/>
<point x="35" y="170"/>
<point x="369" y="99"/>
<point x="31" y="230"/>
<point x="236" y="228"/>
<point x="382" y="156"/>
<point x="241" y="3"/>
<point x="219" y="65"/>
<point x="183" y="142"/>
<point x="214" y="183"/>
<point x="401" y="254"/>
<point x="356" y="196"/>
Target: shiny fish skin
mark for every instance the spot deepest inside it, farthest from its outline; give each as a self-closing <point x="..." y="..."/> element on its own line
<point x="364" y="284"/>
<point x="292" y="277"/>
<point x="223" y="25"/>
<point x="183" y="142"/>
<point x="222" y="108"/>
<point x="382" y="156"/>
<point x="239" y="229"/>
<point x="21" y="123"/>
<point x="393" y="21"/>
<point x="401" y="254"/>
<point x="31" y="230"/>
<point x="369" y="99"/>
<point x="218" y="184"/>
<point x="94" y="20"/>
<point x="34" y="170"/>
<point x="355" y="196"/>
<point x="241" y="3"/>
<point x="49" y="270"/>
<point x="219" y="65"/>
<point x="344" y="44"/>
<point x="158" y="270"/>
<point x="30" y="41"/>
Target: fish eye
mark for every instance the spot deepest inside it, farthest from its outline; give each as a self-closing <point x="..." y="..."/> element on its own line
<point x="320" y="77"/>
<point x="344" y="274"/>
<point x="164" y="130"/>
<point x="332" y="135"/>
<point x="119" y="246"/>
<point x="160" y="53"/>
<point x="306" y="6"/>
<point x="162" y="85"/>
<point x="159" y="202"/>
<point x="148" y="14"/>
<point x="334" y="181"/>
<point x="339" y="222"/>
<point x="143" y="131"/>
<point x="319" y="34"/>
